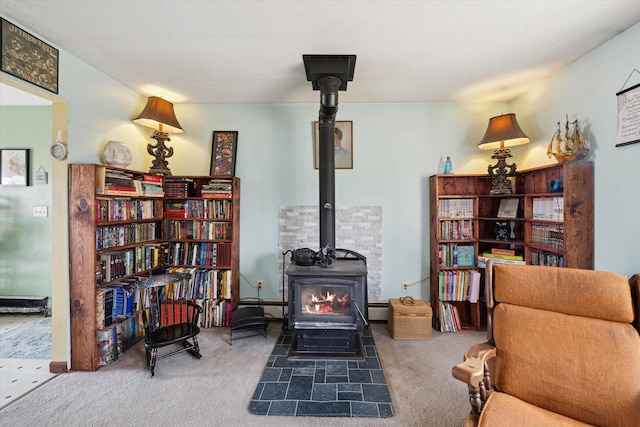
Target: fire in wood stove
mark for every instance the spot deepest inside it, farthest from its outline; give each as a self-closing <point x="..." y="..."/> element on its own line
<point x="321" y="300"/>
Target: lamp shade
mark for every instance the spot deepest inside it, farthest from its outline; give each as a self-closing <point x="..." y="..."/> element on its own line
<point x="158" y="114"/>
<point x="503" y="131"/>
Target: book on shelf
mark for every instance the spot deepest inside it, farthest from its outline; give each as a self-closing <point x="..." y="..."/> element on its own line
<point x="548" y="208"/>
<point x="508" y="208"/>
<point x="474" y="286"/>
<point x="448" y="317"/>
<point x="482" y="261"/>
<point x="465" y="255"/>
<point x="502" y="256"/>
<point x="501" y="251"/>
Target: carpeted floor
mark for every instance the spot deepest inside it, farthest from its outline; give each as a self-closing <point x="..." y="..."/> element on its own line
<point x="321" y="387"/>
<point x="29" y="341"/>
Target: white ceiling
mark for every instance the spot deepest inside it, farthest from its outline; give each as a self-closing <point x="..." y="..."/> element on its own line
<point x="251" y="51"/>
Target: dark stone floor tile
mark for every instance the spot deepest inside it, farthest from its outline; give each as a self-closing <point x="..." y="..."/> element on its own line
<point x="270" y="374"/>
<point x="274" y="391"/>
<point x="319" y="376"/>
<point x="324" y="392"/>
<point x="350" y="395"/>
<point x="336" y="379"/>
<point x="283" y="362"/>
<point x="324" y="409"/>
<point x="336" y="368"/>
<point x="307" y="371"/>
<point x="369" y="363"/>
<point x="376" y="393"/>
<point x="364" y="409"/>
<point x="350" y="387"/>
<point x="258" y="392"/>
<point x="360" y="376"/>
<point x="377" y="376"/>
<point x="385" y="410"/>
<point x="300" y="388"/>
<point x="257" y="407"/>
<point x="285" y="376"/>
<point x="283" y="407"/>
<point x="280" y="349"/>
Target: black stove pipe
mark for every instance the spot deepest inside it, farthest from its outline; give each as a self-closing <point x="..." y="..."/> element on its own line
<point x="329" y="87"/>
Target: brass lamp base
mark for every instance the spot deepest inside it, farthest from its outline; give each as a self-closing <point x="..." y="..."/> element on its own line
<point x="499" y="172"/>
<point x="161" y="153"/>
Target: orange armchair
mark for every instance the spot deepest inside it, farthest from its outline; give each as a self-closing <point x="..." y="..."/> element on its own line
<point x="563" y="349"/>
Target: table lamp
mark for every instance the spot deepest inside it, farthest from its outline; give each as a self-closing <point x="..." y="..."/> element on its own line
<point x="503" y="131"/>
<point x="158" y="114"/>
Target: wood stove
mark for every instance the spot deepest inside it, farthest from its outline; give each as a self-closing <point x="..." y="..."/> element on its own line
<point x="328" y="298"/>
<point x="328" y="307"/>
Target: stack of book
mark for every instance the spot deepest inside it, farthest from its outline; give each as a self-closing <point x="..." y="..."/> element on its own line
<point x="118" y="183"/>
<point x="449" y="318"/>
<point x="500" y="256"/>
<point x="150" y="185"/>
<point x="217" y="189"/>
<point x="179" y="187"/>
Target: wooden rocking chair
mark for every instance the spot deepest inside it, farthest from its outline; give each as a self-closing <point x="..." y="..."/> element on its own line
<point x="168" y="320"/>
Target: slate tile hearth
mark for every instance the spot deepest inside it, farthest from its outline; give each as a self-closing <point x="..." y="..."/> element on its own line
<point x="320" y="387"/>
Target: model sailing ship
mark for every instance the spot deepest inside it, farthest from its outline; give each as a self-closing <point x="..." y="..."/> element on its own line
<point x="571" y="147"/>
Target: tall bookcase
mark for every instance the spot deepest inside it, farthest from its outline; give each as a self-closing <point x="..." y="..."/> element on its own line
<point x="553" y="225"/>
<point x="118" y="235"/>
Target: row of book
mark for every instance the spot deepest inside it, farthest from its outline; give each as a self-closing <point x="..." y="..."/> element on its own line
<point x="114" y="265"/>
<point x="204" y="284"/>
<point x="455" y="255"/>
<point x="208" y="209"/>
<point x="126" y="234"/>
<point x="113" y="340"/>
<point x="548" y="208"/>
<point x="125" y="210"/>
<point x="459" y="285"/>
<point x="539" y="257"/>
<point x="455" y="208"/>
<point x="551" y="235"/>
<point x="209" y="254"/>
<point x="198" y="230"/>
<point x="461" y="229"/>
<point x="448" y="317"/>
<point x="215" y="312"/>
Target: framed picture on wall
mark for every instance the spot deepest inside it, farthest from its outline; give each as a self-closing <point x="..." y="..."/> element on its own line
<point x="28" y="58"/>
<point x="342" y="144"/>
<point x="14" y="166"/>
<point x="223" y="153"/>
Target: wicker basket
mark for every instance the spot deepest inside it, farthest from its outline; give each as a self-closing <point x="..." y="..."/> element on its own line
<point x="409" y="319"/>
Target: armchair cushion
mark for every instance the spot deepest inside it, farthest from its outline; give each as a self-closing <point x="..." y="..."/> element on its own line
<point x="506" y="410"/>
<point x="584" y="368"/>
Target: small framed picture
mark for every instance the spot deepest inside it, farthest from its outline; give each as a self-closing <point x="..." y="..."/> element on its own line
<point x="14" y="166"/>
<point x="342" y="144"/>
<point x="223" y="153"/>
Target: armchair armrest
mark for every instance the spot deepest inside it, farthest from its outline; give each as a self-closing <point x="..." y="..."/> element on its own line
<point x="477" y="372"/>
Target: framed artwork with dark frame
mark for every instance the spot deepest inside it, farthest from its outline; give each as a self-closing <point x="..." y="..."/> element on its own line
<point x="223" y="153"/>
<point x="14" y="167"/>
<point x="28" y="58"/>
<point x="343" y="144"/>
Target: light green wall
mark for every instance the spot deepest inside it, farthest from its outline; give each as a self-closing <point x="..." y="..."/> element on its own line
<point x="586" y="90"/>
<point x="396" y="148"/>
<point x="25" y="241"/>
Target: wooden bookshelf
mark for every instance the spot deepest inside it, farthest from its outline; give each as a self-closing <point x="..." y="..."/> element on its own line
<point x="564" y="241"/>
<point x="129" y="228"/>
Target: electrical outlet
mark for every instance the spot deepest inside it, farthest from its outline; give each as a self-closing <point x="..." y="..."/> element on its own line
<point x="40" y="211"/>
<point x="405" y="287"/>
<point x="259" y="283"/>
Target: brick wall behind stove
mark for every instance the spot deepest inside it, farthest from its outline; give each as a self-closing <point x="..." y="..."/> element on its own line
<point x="358" y="228"/>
